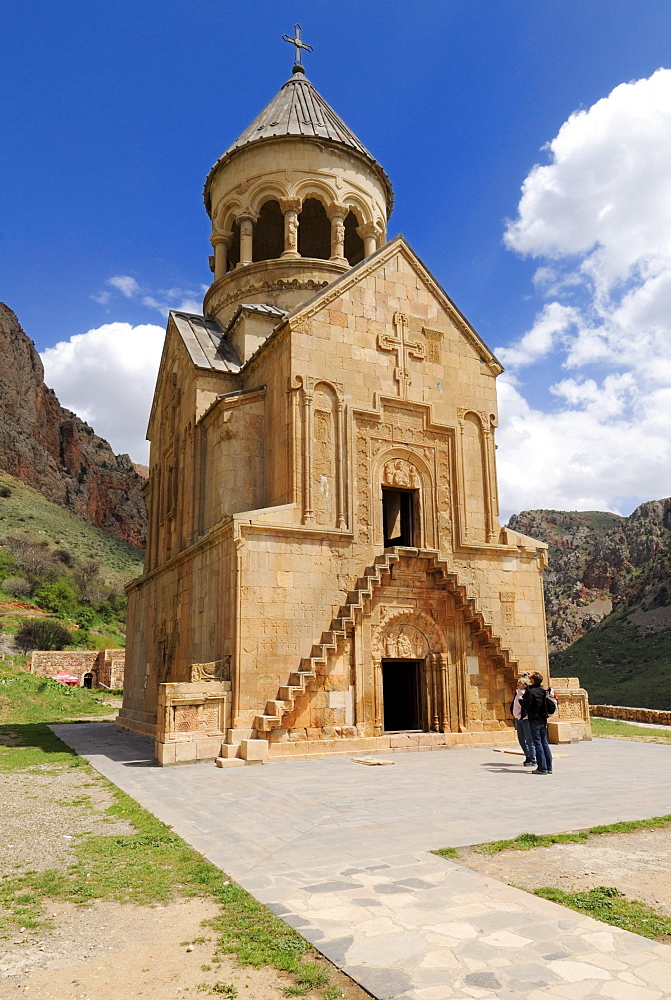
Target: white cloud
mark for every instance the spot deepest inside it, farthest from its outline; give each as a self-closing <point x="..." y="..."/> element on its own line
<point x="598" y="217"/>
<point x="162" y="300"/>
<point x="107" y="377"/>
<point x="125" y="284"/>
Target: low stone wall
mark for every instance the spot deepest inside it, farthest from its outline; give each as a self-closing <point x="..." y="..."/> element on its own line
<point x="106" y="665"/>
<point x="652" y="715"/>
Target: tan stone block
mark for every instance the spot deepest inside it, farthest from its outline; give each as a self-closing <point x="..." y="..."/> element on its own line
<point x="185" y="752"/>
<point x="559" y="732"/>
<point x="165" y="753"/>
<point x="226" y="762"/>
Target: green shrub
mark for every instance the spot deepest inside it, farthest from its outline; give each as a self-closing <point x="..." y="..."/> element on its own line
<point x="42" y="633"/>
<point x="59" y="597"/>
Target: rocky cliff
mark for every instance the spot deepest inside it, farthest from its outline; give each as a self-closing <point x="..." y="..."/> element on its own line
<point x="600" y="562"/>
<point x="608" y="600"/>
<point x="52" y="450"/>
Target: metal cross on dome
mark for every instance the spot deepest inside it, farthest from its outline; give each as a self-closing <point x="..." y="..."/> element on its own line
<point x="298" y="44"/>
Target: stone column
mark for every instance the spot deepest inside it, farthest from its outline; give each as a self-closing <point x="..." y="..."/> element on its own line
<point x="246" y="223"/>
<point x="221" y="241"/>
<point x="290" y="207"/>
<point x="340" y="463"/>
<point x="337" y="214"/>
<point x="368" y="234"/>
<point x="308" y="512"/>
<point x="440" y="663"/>
<point x="378" y="727"/>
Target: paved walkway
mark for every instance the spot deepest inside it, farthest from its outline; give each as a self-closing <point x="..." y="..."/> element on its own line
<point x="340" y="851"/>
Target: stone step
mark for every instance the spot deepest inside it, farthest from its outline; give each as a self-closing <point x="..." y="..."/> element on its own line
<point x="262" y="723"/>
<point x="288" y="692"/>
<point x="275" y="707"/>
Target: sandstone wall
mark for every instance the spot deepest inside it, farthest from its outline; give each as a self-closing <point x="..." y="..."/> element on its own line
<point x="107" y="665"/>
<point x="651" y="715"/>
<point x="55" y="452"/>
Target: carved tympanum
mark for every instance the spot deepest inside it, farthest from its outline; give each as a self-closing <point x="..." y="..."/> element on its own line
<point x="401" y="474"/>
<point x="405" y="642"/>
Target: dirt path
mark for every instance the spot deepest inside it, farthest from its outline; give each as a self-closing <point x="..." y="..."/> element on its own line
<point x="105" y="950"/>
<point x="636" y="863"/>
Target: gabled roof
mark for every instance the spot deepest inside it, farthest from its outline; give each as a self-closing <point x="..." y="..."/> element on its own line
<point x="298" y="110"/>
<point x="348" y="278"/>
<point x="204" y="340"/>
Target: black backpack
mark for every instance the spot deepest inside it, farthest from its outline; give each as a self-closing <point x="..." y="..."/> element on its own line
<point x="550" y="702"/>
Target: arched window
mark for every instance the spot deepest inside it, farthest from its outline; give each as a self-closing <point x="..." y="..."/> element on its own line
<point x="314" y="230"/>
<point x="269" y="232"/>
<point x="353" y="242"/>
<point x="234" y="249"/>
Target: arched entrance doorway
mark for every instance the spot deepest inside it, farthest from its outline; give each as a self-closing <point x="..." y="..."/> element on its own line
<point x="411" y="669"/>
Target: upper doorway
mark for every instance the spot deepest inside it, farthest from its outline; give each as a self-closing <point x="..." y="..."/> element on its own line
<point x="398" y="517"/>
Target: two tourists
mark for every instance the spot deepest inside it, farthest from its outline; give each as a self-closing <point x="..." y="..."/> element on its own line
<point x="522" y="723"/>
<point x="534" y="708"/>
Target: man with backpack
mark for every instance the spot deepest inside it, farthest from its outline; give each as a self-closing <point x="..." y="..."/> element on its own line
<point x="537" y="703"/>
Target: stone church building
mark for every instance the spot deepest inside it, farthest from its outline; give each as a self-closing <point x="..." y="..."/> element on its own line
<point x="325" y="571"/>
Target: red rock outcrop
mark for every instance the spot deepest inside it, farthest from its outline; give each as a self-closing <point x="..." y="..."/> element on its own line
<point x="55" y="452"/>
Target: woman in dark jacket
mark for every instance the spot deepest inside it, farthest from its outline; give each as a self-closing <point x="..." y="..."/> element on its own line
<point x="533" y="705"/>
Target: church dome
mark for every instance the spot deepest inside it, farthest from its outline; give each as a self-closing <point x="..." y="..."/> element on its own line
<point x="299" y="110"/>
<point x="296" y="200"/>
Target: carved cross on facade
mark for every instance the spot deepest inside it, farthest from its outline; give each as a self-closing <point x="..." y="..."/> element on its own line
<point x="404" y="349"/>
<point x="298" y="44"/>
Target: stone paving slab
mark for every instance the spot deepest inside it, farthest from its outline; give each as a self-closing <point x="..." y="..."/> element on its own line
<point x="340" y="851"/>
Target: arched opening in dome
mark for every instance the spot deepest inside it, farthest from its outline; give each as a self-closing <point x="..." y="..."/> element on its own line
<point x="269" y="232"/>
<point x="314" y="230"/>
<point x="353" y="242"/>
<point x="234" y="249"/>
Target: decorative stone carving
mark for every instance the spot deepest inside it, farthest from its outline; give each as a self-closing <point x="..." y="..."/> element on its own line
<point x="218" y="670"/>
<point x="433" y="338"/>
<point x="405" y="642"/>
<point x="404" y="348"/>
<point x="401" y="474"/>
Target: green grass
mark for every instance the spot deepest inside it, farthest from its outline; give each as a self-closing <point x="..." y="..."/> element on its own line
<point x="146" y="867"/>
<point x="618" y="666"/>
<point x="527" y="841"/>
<point x="150" y="867"/>
<point x="625" y="730"/>
<point x="27" y="512"/>
<point x="611" y="906"/>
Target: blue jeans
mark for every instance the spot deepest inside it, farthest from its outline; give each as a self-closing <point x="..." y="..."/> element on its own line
<point x="525" y="738"/>
<point x="539" y="733"/>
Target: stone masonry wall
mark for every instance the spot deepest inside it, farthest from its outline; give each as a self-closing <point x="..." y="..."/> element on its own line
<point x="651" y="715"/>
<point x="107" y="665"/>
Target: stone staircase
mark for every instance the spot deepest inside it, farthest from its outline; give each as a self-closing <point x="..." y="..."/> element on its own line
<point x="358" y="602"/>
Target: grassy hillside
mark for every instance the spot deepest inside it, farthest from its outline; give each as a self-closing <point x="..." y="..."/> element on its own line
<point x="56" y="567"/>
<point x="619" y="666"/>
<point x="24" y="510"/>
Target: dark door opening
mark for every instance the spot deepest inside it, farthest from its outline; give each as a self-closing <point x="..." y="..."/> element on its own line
<point x="88" y="680"/>
<point x="398" y="517"/>
<point x="400" y="694"/>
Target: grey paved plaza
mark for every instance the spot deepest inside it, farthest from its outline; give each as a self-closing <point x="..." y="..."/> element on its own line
<point x="340" y="851"/>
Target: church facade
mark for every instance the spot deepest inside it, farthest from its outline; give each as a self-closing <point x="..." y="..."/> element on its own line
<point x="326" y="572"/>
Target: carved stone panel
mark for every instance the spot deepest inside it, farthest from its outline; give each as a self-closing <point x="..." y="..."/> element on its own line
<point x="401" y="474"/>
<point x="405" y="642"/>
<point x="218" y="670"/>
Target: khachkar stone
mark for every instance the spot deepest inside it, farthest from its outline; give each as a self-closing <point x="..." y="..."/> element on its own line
<point x="325" y="567"/>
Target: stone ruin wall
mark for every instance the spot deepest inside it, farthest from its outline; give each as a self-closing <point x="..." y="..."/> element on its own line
<point x="106" y="665"/>
<point x="652" y="715"/>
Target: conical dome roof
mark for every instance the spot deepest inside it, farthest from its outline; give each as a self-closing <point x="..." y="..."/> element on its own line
<point x="298" y="110"/>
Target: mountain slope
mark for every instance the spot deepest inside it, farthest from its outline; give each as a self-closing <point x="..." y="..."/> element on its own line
<point x="608" y="600"/>
<point x="25" y="511"/>
<point x="54" y="451"/>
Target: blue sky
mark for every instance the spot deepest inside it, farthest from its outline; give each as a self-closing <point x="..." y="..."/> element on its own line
<point x="114" y="110"/>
